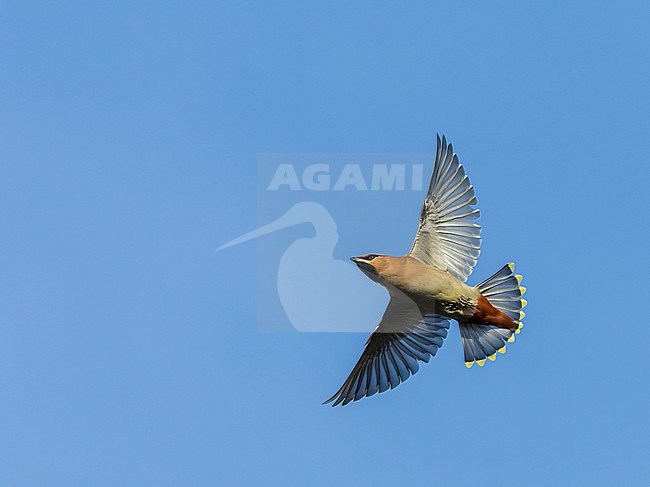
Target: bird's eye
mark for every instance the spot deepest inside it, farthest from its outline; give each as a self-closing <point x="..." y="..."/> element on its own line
<point x="371" y="256"/>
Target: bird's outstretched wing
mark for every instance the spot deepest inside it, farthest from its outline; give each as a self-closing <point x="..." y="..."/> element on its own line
<point x="403" y="337"/>
<point x="447" y="238"/>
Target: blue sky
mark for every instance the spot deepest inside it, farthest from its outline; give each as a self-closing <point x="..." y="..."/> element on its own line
<point x="129" y="349"/>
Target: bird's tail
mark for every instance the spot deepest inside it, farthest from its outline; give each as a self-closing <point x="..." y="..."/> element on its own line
<point x="480" y="340"/>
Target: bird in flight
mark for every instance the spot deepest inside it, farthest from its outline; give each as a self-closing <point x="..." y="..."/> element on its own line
<point x="427" y="288"/>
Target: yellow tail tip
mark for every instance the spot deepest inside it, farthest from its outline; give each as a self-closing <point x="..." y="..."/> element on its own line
<point x="469" y="364"/>
<point x="481" y="362"/>
<point x="493" y="357"/>
<point x="511" y="265"/>
<point x="522" y="290"/>
<point x="511" y="339"/>
<point x="521" y="315"/>
<point x="502" y="350"/>
<point x="519" y="278"/>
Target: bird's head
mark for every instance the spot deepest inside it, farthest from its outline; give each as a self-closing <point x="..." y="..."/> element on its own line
<point x="373" y="265"/>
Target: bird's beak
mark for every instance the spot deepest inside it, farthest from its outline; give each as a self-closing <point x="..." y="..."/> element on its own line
<point x="283" y="222"/>
<point x="366" y="266"/>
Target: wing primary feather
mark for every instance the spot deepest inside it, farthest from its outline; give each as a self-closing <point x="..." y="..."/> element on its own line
<point x="447" y="216"/>
<point x="404" y="338"/>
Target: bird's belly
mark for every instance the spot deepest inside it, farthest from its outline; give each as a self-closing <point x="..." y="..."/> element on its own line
<point x="450" y="299"/>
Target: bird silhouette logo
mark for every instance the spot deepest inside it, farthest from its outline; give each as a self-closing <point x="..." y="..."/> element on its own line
<point x="326" y="301"/>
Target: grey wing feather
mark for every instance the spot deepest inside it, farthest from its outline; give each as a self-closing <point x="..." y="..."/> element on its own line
<point x="447" y="236"/>
<point x="404" y="337"/>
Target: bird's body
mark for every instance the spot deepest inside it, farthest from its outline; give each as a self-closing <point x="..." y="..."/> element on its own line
<point x="435" y="291"/>
<point x="432" y="289"/>
<point x="427" y="288"/>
